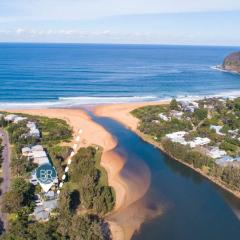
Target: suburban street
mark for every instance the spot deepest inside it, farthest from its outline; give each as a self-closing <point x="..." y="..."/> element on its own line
<point x="5" y="171"/>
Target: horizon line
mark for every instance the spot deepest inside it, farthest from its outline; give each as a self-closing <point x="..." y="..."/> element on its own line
<point x="110" y="43"/>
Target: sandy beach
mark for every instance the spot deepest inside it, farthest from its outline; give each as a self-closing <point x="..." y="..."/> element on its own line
<point x="121" y="112"/>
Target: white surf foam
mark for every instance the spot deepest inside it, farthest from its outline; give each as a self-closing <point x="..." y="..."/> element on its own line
<point x="75" y="102"/>
<point x="219" y="68"/>
<point x="67" y="102"/>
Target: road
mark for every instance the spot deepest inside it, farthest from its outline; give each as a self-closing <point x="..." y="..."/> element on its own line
<point x="6" y="174"/>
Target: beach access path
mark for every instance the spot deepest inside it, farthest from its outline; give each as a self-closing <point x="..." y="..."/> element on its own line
<point x="6" y="172"/>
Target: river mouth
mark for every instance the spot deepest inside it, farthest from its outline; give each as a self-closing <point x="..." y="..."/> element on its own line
<point x="176" y="202"/>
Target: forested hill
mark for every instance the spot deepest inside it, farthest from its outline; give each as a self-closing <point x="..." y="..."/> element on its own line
<point x="232" y="62"/>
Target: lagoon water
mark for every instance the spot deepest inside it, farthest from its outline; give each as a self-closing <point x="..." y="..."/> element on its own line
<point x="69" y="74"/>
<point x="192" y="206"/>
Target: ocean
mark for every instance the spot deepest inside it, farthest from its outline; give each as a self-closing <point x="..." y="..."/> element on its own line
<point x="36" y="75"/>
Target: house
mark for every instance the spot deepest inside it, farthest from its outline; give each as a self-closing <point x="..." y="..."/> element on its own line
<point x="10" y="117"/>
<point x="40" y="157"/>
<point x="198" y="141"/>
<point x="33" y="131"/>
<point x="31" y="125"/>
<point x="37" y="148"/>
<point x="189" y="106"/>
<point x="164" y="117"/>
<point x="39" y="154"/>
<point x="177" y="137"/>
<point x="217" y="129"/>
<point x="41" y="160"/>
<point x="223" y="161"/>
<point x="19" y="119"/>
<point x="176" y="114"/>
<point x="215" y="153"/>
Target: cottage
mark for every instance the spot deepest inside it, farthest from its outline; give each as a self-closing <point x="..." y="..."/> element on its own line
<point x="33" y="131"/>
<point x="31" y="125"/>
<point x="176" y="114"/>
<point x="164" y="117"/>
<point x="37" y="148"/>
<point x="215" y="153"/>
<point x="198" y="141"/>
<point x="177" y="137"/>
<point x="224" y="160"/>
<point x="19" y="119"/>
<point x="41" y="160"/>
<point x="39" y="154"/>
<point x="188" y="106"/>
<point x="10" y="117"/>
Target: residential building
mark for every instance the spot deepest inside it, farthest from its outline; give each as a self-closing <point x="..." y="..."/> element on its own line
<point x="215" y="153"/>
<point x="164" y="117"/>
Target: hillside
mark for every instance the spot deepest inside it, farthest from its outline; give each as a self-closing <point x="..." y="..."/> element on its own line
<point x="232" y="62"/>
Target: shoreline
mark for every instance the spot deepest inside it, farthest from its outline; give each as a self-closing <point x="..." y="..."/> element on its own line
<point x="121" y="113"/>
<point x="93" y="133"/>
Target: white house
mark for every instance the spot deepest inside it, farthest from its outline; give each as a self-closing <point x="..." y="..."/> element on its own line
<point x="177" y="137"/>
<point x="215" y="152"/>
<point x="33" y="131"/>
<point x="176" y="114"/>
<point x="224" y="160"/>
<point x="10" y="117"/>
<point x="189" y="106"/>
<point x="37" y="148"/>
<point x="164" y="117"/>
<point x="198" y="141"/>
<point x="18" y="119"/>
<point x="39" y="154"/>
<point x="41" y="160"/>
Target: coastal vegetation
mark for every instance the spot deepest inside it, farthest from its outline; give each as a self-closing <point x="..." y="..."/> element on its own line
<point x="203" y="134"/>
<point x="84" y="199"/>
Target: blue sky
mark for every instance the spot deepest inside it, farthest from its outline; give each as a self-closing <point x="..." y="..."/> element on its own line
<point x="205" y="22"/>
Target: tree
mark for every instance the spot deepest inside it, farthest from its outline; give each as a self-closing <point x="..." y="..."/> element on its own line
<point x="174" y="105"/>
<point x="12" y="202"/>
<point x="200" y="113"/>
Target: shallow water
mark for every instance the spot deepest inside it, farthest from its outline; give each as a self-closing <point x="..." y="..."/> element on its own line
<point x="180" y="204"/>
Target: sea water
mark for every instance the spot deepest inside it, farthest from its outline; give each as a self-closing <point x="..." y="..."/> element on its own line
<point x="73" y="74"/>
